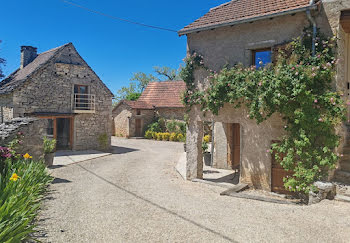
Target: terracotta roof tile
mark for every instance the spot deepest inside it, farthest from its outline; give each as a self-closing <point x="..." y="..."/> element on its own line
<point x="238" y="10"/>
<point x="163" y="94"/>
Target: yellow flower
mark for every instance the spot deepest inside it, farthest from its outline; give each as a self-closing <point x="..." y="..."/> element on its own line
<point x="27" y="156"/>
<point x="14" y="177"/>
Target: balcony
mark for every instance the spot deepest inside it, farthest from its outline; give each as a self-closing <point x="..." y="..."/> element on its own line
<point x="84" y="103"/>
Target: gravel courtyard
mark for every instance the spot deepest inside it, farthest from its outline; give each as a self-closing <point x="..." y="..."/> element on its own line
<point x="135" y="195"/>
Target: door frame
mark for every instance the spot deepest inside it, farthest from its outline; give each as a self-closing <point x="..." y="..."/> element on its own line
<point x="136" y="120"/>
<point x="230" y="142"/>
<point x="71" y="126"/>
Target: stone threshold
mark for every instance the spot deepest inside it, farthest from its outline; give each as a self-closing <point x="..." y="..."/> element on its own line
<point x="231" y="192"/>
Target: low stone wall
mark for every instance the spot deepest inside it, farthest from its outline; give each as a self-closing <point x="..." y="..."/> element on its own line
<point x="33" y="131"/>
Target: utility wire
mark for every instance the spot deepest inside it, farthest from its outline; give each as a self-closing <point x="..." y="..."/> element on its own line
<point x="116" y="18"/>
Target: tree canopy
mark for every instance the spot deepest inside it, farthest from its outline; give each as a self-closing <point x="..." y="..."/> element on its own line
<point x="140" y="80"/>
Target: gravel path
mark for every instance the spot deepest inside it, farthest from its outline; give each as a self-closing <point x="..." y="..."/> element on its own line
<point x="135" y="195"/>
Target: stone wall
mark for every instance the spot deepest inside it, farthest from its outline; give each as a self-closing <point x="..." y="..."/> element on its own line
<point x="33" y="130"/>
<point x="171" y="113"/>
<point x="6" y="108"/>
<point x="50" y="90"/>
<point x="121" y="116"/>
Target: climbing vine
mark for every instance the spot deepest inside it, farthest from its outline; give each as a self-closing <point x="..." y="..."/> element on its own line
<point x="299" y="87"/>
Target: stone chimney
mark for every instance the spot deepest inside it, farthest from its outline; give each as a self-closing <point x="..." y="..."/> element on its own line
<point x="28" y="54"/>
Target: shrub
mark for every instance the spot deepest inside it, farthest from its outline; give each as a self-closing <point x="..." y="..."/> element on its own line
<point x="103" y="141"/>
<point x="149" y="134"/>
<point x="165" y="136"/>
<point x="173" y="137"/>
<point x="154" y="135"/>
<point x="159" y="136"/>
<point x="180" y="137"/>
<point x="154" y="127"/>
<point x="49" y="145"/>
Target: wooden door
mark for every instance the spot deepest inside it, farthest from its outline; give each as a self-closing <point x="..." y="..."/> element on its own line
<point x="277" y="175"/>
<point x="138" y="128"/>
<point x="233" y="145"/>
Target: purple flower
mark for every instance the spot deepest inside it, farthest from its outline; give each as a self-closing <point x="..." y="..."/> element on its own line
<point x="315" y="101"/>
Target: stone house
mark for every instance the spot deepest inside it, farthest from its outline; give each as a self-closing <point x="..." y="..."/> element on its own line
<point x="246" y="31"/>
<point x="159" y="99"/>
<point x="59" y="86"/>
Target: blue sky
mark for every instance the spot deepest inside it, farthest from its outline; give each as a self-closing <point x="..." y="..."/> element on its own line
<point x="113" y="49"/>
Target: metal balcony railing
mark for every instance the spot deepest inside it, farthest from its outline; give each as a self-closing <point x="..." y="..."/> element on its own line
<point x="84" y="103"/>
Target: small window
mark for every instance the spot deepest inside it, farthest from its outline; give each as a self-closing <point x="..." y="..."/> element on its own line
<point x="138" y="112"/>
<point x="261" y="57"/>
<point x="49" y="130"/>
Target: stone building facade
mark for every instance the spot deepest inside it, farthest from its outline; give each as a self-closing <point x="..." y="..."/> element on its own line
<point x="224" y="41"/>
<point x="159" y="99"/>
<point x="60" y="87"/>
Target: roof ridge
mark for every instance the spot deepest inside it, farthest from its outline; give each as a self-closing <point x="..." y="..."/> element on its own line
<point x="56" y="48"/>
<point x="221" y="5"/>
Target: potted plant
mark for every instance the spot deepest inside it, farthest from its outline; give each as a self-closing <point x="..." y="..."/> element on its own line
<point x="206" y="154"/>
<point x="49" y="150"/>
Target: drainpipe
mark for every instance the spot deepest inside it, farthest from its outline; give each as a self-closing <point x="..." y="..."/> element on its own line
<point x="314" y="27"/>
<point x="212" y="144"/>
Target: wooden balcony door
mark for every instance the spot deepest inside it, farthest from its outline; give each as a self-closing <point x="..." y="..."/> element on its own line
<point x="233" y="145"/>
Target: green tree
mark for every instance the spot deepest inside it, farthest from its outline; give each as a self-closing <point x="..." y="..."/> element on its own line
<point x="140" y="80"/>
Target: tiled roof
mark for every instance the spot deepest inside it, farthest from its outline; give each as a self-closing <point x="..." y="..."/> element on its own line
<point x="164" y="94"/>
<point x="138" y="104"/>
<point x="240" y="10"/>
<point x="18" y="77"/>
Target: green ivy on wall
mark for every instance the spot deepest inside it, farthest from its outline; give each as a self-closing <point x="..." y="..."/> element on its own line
<point x="297" y="86"/>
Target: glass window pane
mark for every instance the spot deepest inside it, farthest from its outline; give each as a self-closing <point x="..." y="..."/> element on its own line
<point x="262" y="58"/>
<point x="50" y="127"/>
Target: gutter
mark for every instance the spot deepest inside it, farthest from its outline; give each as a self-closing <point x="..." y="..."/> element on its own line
<point x="307" y="8"/>
<point x="314" y="27"/>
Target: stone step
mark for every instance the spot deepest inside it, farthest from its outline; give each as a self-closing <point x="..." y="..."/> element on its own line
<point x="342" y="176"/>
<point x="342" y="198"/>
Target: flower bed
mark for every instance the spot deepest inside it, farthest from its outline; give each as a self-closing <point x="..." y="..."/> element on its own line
<point x="165" y="136"/>
<point x="22" y="185"/>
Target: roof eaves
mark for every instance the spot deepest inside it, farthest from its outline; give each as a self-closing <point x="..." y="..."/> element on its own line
<point x="282" y="13"/>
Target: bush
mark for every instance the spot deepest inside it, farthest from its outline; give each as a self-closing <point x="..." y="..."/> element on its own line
<point x="154" y="127"/>
<point x="159" y="136"/>
<point x="22" y="185"/>
<point x="149" y="134"/>
<point x="49" y="145"/>
<point x="176" y="127"/>
<point x="180" y="137"/>
<point x="165" y="136"/>
<point x="173" y="137"/>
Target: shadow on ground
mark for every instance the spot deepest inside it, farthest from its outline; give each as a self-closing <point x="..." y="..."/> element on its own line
<point x="122" y="150"/>
<point x="60" y="181"/>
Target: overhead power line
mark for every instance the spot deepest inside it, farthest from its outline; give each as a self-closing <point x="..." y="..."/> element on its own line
<point x="116" y="18"/>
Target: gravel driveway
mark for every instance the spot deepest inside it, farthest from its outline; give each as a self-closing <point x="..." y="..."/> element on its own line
<point x="135" y="195"/>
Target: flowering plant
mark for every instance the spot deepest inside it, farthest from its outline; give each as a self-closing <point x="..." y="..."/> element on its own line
<point x="298" y="86"/>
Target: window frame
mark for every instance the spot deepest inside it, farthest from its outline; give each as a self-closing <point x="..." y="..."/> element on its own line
<point x="260" y="50"/>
